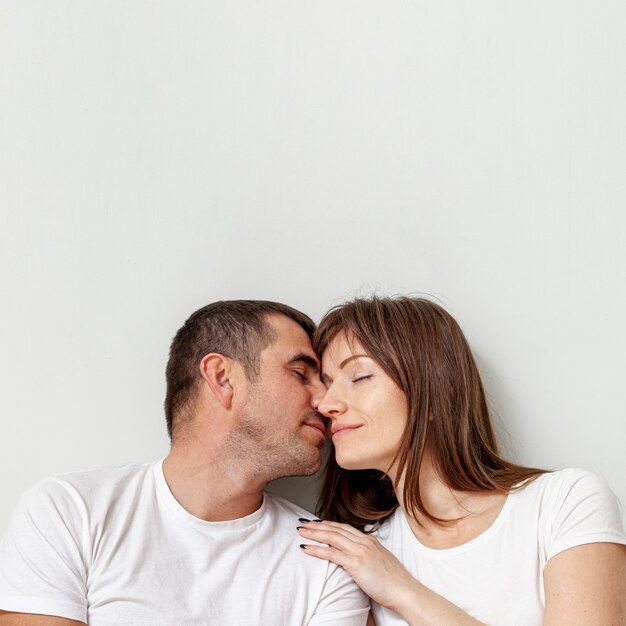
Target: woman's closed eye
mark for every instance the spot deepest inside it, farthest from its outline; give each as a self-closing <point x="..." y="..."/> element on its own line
<point x="360" y="377"/>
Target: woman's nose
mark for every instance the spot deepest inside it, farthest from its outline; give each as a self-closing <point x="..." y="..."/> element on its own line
<point x="331" y="405"/>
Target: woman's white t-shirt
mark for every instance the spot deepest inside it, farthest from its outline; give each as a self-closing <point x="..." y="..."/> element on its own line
<point x="497" y="577"/>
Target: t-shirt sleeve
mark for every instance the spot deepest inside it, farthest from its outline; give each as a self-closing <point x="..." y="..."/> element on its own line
<point x="342" y="602"/>
<point x="42" y="569"/>
<point x="585" y="511"/>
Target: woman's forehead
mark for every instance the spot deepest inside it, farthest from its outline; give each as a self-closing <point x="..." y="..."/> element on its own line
<point x="342" y="346"/>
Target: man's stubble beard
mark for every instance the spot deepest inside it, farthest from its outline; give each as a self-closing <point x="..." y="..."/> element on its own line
<point x="267" y="455"/>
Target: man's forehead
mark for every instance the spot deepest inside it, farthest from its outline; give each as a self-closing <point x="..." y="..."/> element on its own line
<point x="292" y="341"/>
<point x="283" y="325"/>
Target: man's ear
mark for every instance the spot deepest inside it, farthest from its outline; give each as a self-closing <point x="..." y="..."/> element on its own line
<point x="218" y="373"/>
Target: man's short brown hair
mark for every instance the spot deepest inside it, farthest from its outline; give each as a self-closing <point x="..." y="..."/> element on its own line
<point x="238" y="329"/>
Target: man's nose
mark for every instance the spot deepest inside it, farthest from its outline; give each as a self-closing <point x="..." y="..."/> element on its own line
<point x="317" y="393"/>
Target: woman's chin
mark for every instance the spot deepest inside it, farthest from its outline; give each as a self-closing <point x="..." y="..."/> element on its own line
<point x="350" y="463"/>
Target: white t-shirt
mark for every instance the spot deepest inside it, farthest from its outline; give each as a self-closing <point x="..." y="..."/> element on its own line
<point x="113" y="547"/>
<point x="497" y="577"/>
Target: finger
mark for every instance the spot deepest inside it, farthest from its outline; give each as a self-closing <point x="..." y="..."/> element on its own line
<point x="322" y="527"/>
<point x="326" y="524"/>
<point x="333" y="537"/>
<point x="327" y="553"/>
<point x="344" y="529"/>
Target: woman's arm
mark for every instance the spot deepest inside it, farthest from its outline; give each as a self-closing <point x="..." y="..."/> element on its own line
<point x="586" y="585"/>
<point x="381" y="575"/>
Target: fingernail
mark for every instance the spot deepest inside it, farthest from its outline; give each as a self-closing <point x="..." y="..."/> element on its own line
<point x="304" y="520"/>
<point x="299" y="527"/>
<point x="303" y="546"/>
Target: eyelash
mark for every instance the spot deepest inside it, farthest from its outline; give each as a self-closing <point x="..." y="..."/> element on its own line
<point x="328" y="383"/>
<point x="300" y="375"/>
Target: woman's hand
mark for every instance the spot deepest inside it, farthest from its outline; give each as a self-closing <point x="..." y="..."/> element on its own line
<point x="381" y="575"/>
<point x="378" y="572"/>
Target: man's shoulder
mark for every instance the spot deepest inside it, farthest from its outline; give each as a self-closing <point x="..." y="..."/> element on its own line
<point x="112" y="475"/>
<point x="87" y="485"/>
<point x="283" y="508"/>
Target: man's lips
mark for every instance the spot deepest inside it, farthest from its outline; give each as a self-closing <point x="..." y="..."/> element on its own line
<point x="318" y="426"/>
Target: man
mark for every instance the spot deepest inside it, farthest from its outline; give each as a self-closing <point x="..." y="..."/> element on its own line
<point x="192" y="540"/>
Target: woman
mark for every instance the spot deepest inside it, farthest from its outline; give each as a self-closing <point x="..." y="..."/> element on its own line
<point x="454" y="534"/>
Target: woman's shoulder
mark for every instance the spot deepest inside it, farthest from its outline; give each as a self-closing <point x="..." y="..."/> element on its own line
<point x="565" y="483"/>
<point x="571" y="506"/>
<point x="569" y="489"/>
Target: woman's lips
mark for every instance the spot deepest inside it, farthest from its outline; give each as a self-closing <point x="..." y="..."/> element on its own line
<point x="339" y="430"/>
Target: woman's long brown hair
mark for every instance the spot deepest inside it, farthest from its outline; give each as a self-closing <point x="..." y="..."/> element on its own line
<point x="423" y="350"/>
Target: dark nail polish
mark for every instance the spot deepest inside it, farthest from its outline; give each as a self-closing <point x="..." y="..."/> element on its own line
<point x="303" y="546"/>
<point x="299" y="527"/>
<point x="304" y="520"/>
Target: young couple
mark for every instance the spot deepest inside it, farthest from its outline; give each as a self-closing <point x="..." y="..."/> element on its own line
<point x="419" y="511"/>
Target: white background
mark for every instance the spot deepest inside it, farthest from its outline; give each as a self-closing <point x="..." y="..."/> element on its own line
<point x="156" y="156"/>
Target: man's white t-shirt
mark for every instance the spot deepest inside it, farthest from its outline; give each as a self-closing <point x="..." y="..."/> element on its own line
<point x="497" y="577"/>
<point x="113" y="547"/>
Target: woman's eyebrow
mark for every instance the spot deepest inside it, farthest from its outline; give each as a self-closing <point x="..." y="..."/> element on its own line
<point x="351" y="358"/>
<point x="327" y="379"/>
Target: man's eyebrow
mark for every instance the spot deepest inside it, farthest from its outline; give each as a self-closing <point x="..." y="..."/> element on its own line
<point x="308" y="360"/>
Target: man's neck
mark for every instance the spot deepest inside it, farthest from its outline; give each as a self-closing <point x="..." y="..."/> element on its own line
<point x="210" y="486"/>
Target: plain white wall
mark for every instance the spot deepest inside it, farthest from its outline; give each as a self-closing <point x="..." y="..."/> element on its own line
<point x="156" y="156"/>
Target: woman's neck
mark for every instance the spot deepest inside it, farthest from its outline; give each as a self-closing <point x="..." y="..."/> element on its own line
<point x="470" y="512"/>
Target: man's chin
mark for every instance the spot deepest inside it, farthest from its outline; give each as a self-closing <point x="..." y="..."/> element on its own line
<point x="300" y="468"/>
